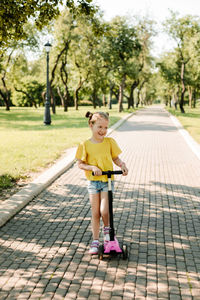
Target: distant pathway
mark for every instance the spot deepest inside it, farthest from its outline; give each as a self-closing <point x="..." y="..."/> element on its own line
<point x="44" y="248"/>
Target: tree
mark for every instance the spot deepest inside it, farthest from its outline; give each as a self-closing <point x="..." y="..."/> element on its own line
<point x="170" y="72"/>
<point x="86" y="58"/>
<point x="182" y="30"/>
<point x="5" y="91"/>
<point x="121" y="44"/>
<point x="141" y="69"/>
<point x="73" y="36"/>
<point x="8" y="59"/>
<point x="30" y="93"/>
<point x="63" y="34"/>
<point x="17" y="13"/>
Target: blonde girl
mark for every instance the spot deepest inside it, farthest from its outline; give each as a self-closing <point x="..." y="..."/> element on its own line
<point x="95" y="155"/>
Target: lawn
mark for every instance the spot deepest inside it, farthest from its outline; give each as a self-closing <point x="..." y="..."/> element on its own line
<point x="190" y="120"/>
<point x="28" y="146"/>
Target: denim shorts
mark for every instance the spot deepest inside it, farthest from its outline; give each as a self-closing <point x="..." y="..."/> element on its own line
<point x="95" y="187"/>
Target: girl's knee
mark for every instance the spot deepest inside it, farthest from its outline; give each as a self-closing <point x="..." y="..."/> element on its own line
<point x="96" y="215"/>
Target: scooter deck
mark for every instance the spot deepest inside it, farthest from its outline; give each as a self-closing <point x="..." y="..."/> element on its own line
<point x="112" y="246"/>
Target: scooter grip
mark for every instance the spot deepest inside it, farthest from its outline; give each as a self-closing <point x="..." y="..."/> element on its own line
<point x="110" y="172"/>
<point x="117" y="172"/>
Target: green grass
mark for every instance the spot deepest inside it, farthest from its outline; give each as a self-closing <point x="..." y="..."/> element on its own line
<point x="26" y="145"/>
<point x="190" y="120"/>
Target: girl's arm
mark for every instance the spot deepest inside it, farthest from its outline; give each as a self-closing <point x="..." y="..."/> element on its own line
<point x="122" y="165"/>
<point x="83" y="166"/>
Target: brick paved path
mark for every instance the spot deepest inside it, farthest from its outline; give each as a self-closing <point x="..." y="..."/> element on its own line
<point x="43" y="249"/>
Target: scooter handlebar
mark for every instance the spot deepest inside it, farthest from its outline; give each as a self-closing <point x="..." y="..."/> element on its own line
<point x="110" y="172"/>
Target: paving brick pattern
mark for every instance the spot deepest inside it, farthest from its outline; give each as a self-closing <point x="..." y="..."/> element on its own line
<point x="44" y="248"/>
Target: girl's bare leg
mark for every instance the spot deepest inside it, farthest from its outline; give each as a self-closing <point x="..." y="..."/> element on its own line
<point x="95" y="206"/>
<point x="104" y="208"/>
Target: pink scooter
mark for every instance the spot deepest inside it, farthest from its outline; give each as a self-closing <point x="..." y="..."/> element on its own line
<point x="112" y="247"/>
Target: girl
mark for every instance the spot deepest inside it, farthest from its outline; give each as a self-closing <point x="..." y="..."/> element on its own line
<point x="96" y="155"/>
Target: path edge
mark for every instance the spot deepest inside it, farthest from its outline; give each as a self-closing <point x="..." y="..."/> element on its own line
<point x="194" y="146"/>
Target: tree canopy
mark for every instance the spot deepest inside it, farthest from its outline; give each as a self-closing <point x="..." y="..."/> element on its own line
<point x="91" y="60"/>
<point x="14" y="14"/>
<point x="176" y="67"/>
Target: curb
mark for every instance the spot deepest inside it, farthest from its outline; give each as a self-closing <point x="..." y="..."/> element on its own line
<point x="15" y="203"/>
<point x="195" y="147"/>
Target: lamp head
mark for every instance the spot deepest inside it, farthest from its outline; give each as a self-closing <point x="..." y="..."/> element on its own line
<point x="47" y="47"/>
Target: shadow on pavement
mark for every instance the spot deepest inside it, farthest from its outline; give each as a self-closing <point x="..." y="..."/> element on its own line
<point x="147" y="126"/>
<point x="45" y="247"/>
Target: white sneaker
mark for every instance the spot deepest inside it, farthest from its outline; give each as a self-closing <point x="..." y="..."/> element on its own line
<point x="94" y="247"/>
<point x="106" y="232"/>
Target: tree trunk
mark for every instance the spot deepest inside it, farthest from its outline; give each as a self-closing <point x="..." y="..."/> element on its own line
<point x="6" y="99"/>
<point x="94" y="98"/>
<point x="194" y="100"/>
<point x="76" y="98"/>
<point x="131" y="97"/>
<point x="181" y="104"/>
<point x="110" y="95"/>
<point x="5" y="93"/>
<point x="139" y="95"/>
<point x="66" y="99"/>
<point x="121" y="93"/>
<point x="138" y="98"/>
<point x="60" y="95"/>
<point x="52" y="101"/>
<point x="65" y="105"/>
<point x="53" y="104"/>
<point x="76" y="92"/>
<point x="176" y="98"/>
<point x="190" y="95"/>
<point x="104" y="100"/>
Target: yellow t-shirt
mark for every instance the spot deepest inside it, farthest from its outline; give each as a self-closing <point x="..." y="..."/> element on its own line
<point x="100" y="155"/>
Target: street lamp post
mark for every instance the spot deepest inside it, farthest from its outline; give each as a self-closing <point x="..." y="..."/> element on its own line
<point x="47" y="114"/>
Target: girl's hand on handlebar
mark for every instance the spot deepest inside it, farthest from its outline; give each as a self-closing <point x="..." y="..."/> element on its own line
<point x="124" y="169"/>
<point x="96" y="171"/>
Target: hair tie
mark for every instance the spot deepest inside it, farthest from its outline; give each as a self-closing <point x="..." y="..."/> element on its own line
<point x="88" y="115"/>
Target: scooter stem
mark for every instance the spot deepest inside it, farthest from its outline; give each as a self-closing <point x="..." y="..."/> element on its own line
<point x="110" y="199"/>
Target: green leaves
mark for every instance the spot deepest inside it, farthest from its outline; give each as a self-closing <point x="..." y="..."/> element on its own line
<point x="14" y="14"/>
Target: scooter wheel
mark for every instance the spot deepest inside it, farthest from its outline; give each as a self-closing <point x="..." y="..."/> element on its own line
<point x="101" y="252"/>
<point x="124" y="252"/>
